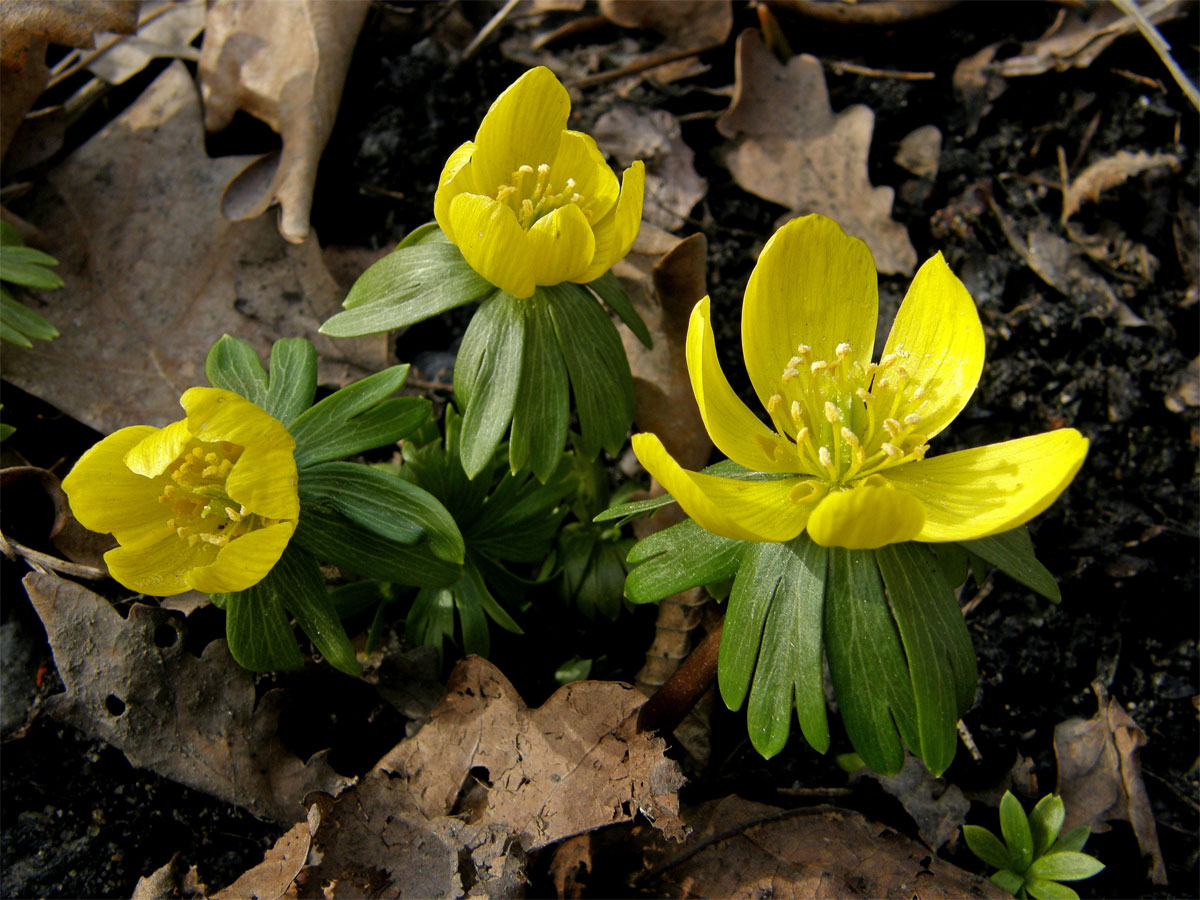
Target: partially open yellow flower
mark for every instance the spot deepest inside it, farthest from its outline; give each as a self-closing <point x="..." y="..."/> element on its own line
<point x="846" y="459"/>
<point x="531" y="203"/>
<point x="208" y="503"/>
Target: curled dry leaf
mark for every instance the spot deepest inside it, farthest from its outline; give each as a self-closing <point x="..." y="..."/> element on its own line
<point x="1110" y="172"/>
<point x="155" y="274"/>
<point x="790" y="148"/>
<point x="167" y="35"/>
<point x="864" y="12"/>
<point x="938" y="807"/>
<point x="275" y="875"/>
<point x="284" y="63"/>
<point x="28" y="28"/>
<point x="687" y="27"/>
<point x="133" y="683"/>
<point x="1100" y="777"/>
<point x="170" y="881"/>
<point x="739" y="848"/>
<point x="654" y="136"/>
<point x="572" y="765"/>
<point x="33" y="497"/>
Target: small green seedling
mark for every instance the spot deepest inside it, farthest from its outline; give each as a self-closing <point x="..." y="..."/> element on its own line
<point x="1033" y="860"/>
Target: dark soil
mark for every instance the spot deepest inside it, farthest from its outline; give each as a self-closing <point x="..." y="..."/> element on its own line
<point x="79" y="821"/>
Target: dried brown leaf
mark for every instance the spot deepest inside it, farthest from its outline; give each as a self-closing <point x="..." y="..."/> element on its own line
<point x="1100" y="776"/>
<point x="572" y="858"/>
<point x="687" y="26"/>
<point x="284" y="63"/>
<point x="863" y="12"/>
<point x="133" y="683"/>
<point x="71" y="23"/>
<point x="1110" y="172"/>
<point x="790" y="148"/>
<point x="938" y="807"/>
<point x="272" y="877"/>
<point x="739" y="848"/>
<point x="33" y="497"/>
<point x="654" y="136"/>
<point x="920" y="150"/>
<point x="168" y="35"/>
<point x="572" y="765"/>
<point x="1185" y="391"/>
<point x="170" y="881"/>
<point x="155" y="274"/>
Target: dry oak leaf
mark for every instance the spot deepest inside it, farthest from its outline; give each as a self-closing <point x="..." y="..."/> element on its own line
<point x="655" y="137"/>
<point x="790" y="148"/>
<point x="687" y="26"/>
<point x="170" y="881"/>
<point x="739" y="848"/>
<point x="286" y="64"/>
<point x="166" y="35"/>
<point x="155" y="275"/>
<point x="275" y="875"/>
<point x="1110" y="172"/>
<point x="133" y="683"/>
<point x="570" y="766"/>
<point x="1100" y="776"/>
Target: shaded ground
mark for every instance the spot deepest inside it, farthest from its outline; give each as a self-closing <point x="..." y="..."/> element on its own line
<point x="78" y="821"/>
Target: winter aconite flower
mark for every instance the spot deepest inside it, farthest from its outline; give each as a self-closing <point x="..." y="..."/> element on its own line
<point x="531" y="203"/>
<point x="846" y="459"/>
<point x="208" y="503"/>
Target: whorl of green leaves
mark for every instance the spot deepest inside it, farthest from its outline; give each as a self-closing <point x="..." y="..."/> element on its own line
<point x="29" y="268"/>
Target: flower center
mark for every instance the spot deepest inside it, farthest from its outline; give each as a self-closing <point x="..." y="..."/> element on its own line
<point x="201" y="509"/>
<point x="533" y="198"/>
<point x="849" y="420"/>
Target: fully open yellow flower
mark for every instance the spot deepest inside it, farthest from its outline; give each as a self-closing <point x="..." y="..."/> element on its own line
<point x="846" y="459"/>
<point x="531" y="203"/>
<point x="208" y="503"/>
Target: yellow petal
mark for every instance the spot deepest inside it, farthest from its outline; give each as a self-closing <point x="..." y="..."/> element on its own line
<point x="735" y="430"/>
<point x="264" y="481"/>
<point x="523" y="127"/>
<point x="106" y="496"/>
<point x="244" y="561"/>
<point x="815" y="285"/>
<point x="985" y="490"/>
<point x="870" y="514"/>
<point x="159" y="569"/>
<point x="616" y="232"/>
<point x="151" y="456"/>
<point x="938" y="328"/>
<point x="742" y="510"/>
<point x="218" y="415"/>
<point x="560" y="246"/>
<point x="580" y="159"/>
<point x="493" y="243"/>
<point x="455" y="179"/>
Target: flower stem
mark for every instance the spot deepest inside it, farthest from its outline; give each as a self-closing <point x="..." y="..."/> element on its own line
<point x="671" y="702"/>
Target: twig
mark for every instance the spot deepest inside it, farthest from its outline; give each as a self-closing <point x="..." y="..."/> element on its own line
<point x="1085" y="142"/>
<point x="695" y="675"/>
<point x="964" y="735"/>
<point x="486" y="31"/>
<point x="841" y="68"/>
<point x="638" y="65"/>
<point x="88" y="58"/>
<point x="43" y="561"/>
<point x="1144" y="80"/>
<point x="984" y="590"/>
<point x="1155" y="39"/>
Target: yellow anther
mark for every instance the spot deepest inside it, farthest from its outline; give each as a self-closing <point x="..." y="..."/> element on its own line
<point x="919" y="451"/>
<point x="919" y="393"/>
<point x="826" y="459"/>
<point x="801" y="436"/>
<point x="892" y="427"/>
<point x="211" y="471"/>
<point x="842" y="350"/>
<point x="912" y="419"/>
<point x="872" y="368"/>
<point x="860" y="457"/>
<point x="198" y="453"/>
<point x="773" y="403"/>
<point x="882" y="384"/>
<point x="832" y="413"/>
<point x="888" y="359"/>
<point x="803" y="349"/>
<point x="790" y="373"/>
<point x="863" y="394"/>
<point x="891" y="450"/>
<point x="794" y="362"/>
<point x="796" y="411"/>
<point x="233" y="514"/>
<point x="818" y="366"/>
<point x="849" y="437"/>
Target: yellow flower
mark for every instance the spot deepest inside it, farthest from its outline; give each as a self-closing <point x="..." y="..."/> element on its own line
<point x="531" y="203"/>
<point x="846" y="459"/>
<point x="207" y="503"/>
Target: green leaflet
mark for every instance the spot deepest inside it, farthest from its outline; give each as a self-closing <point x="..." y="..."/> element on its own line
<point x="541" y="412"/>
<point x="383" y="504"/>
<point x="866" y="661"/>
<point x="292" y="383"/>
<point x="486" y="377"/>
<point x="412" y="283"/>
<point x="1012" y="553"/>
<point x="22" y="325"/>
<point x="357" y="418"/>
<point x="608" y="289"/>
<point x="334" y="538"/>
<point x="677" y="558"/>
<point x="599" y="370"/>
<point x="232" y="365"/>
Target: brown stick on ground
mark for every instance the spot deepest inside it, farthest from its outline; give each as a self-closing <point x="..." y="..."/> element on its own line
<point x="666" y="709"/>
